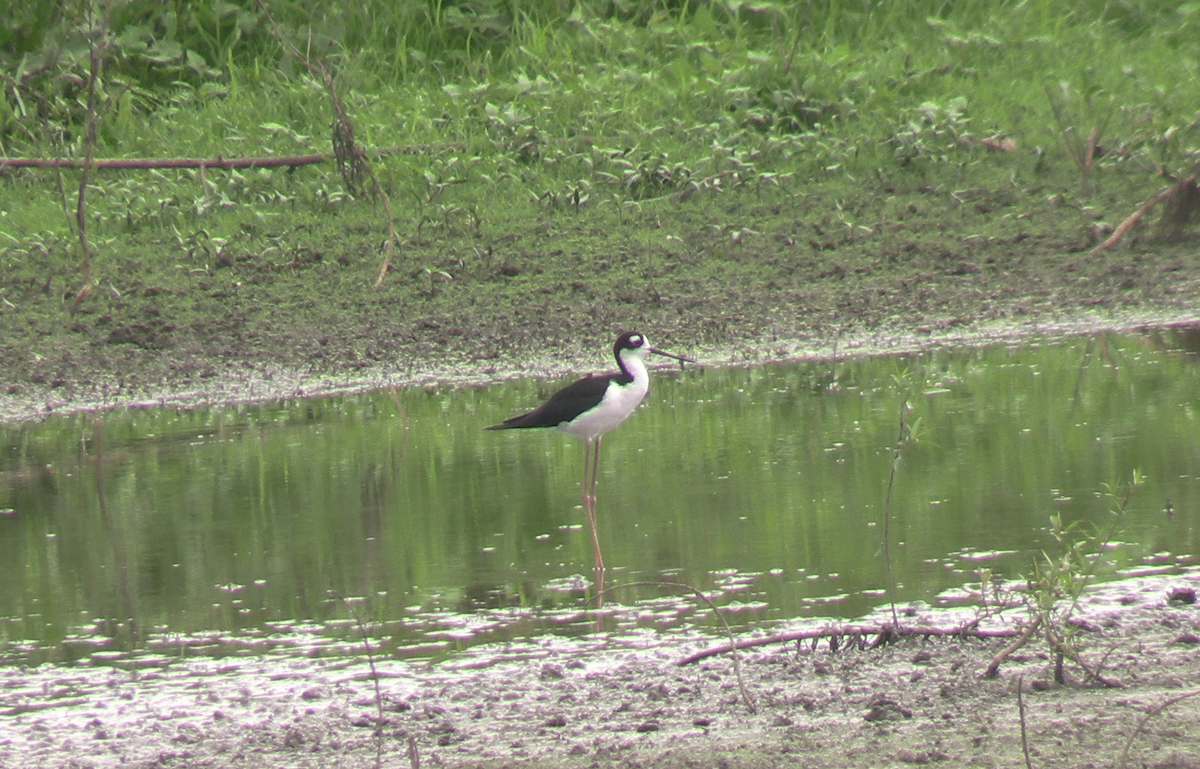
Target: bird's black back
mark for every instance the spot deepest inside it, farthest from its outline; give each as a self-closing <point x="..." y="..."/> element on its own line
<point x="567" y="403"/>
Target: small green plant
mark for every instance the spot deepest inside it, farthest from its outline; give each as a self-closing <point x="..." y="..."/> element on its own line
<point x="434" y="278"/>
<point x="932" y="134"/>
<point x="1058" y="580"/>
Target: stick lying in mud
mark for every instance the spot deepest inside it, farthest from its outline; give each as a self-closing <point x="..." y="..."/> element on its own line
<point x="1021" y="715"/>
<point x="1174" y="189"/>
<point x="993" y="668"/>
<point x="884" y="634"/>
<point x="379" y="720"/>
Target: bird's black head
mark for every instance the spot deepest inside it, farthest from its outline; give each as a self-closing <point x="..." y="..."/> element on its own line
<point x="631" y="340"/>
<point x="633" y="344"/>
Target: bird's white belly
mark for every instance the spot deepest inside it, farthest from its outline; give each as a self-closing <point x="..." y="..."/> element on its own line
<point x="615" y="408"/>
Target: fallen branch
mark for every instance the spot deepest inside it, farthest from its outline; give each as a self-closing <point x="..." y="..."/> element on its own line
<point x="885" y="633"/>
<point x="290" y="161"/>
<point x="1021" y="714"/>
<point x="1084" y="154"/>
<point x="379" y="720"/>
<point x="993" y="668"/>
<point x="1137" y="215"/>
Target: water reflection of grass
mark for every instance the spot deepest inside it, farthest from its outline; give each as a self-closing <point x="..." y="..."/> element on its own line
<point x="765" y="486"/>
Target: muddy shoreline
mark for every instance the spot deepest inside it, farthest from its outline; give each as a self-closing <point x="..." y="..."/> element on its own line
<point x="620" y="700"/>
<point x="546" y="297"/>
<point x="261" y="384"/>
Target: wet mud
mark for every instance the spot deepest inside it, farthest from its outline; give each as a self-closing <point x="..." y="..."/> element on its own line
<point x="624" y="700"/>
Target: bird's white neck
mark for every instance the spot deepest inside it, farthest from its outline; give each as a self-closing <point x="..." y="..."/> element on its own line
<point x="635" y="367"/>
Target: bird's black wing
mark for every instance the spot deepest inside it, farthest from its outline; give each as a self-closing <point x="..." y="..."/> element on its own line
<point x="564" y="405"/>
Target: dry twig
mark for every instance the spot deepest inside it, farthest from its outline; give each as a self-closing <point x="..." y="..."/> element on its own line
<point x="350" y="156"/>
<point x="96" y="48"/>
<point x="379" y="721"/>
<point x="887" y="513"/>
<point x="290" y="161"/>
<point x="1021" y="713"/>
<point x="993" y="668"/>
<point x="1083" y="153"/>
<point x="886" y="633"/>
<point x="1146" y="207"/>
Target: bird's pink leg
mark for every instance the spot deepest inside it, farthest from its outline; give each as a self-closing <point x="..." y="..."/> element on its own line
<point x="587" y="464"/>
<point x="595" y="469"/>
<point x="592" y="449"/>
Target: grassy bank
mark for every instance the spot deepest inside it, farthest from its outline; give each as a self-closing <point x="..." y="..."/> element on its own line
<point x="717" y="171"/>
<point x="520" y="106"/>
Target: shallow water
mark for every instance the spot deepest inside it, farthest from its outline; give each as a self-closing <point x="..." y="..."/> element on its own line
<point x="281" y="527"/>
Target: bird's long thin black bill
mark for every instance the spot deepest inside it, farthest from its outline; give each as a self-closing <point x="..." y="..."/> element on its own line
<point x="679" y="358"/>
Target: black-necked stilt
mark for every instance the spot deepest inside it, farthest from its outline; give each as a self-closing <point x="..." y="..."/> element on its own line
<point x="591" y="407"/>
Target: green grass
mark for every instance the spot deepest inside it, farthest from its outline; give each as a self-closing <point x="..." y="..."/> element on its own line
<point x="529" y="106"/>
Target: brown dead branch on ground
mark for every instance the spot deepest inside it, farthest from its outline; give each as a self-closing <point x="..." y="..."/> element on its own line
<point x="1083" y="152"/>
<point x="1154" y="711"/>
<point x="1023" y="636"/>
<point x="732" y="646"/>
<point x="1021" y="715"/>
<point x="290" y="161"/>
<point x="1184" y="190"/>
<point x="880" y="635"/>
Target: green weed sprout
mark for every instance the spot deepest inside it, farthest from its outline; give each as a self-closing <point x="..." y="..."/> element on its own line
<point x="1058" y="579"/>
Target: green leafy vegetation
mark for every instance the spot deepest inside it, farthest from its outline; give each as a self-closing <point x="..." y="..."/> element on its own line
<point x="592" y="102"/>
<point x="1059" y="578"/>
<point x="539" y="157"/>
